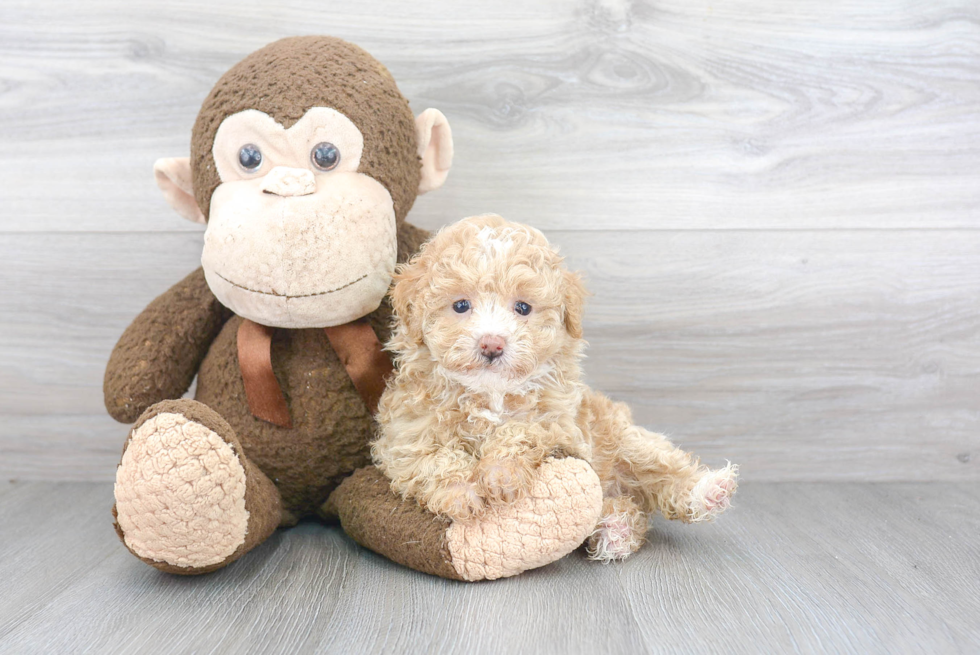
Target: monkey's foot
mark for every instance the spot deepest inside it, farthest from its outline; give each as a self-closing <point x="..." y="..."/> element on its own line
<point x="713" y="493"/>
<point x="187" y="500"/>
<point x="553" y="519"/>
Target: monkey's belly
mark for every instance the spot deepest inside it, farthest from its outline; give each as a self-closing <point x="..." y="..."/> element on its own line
<point x="331" y="426"/>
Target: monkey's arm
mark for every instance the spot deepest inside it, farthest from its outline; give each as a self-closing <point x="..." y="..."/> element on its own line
<point x="159" y="353"/>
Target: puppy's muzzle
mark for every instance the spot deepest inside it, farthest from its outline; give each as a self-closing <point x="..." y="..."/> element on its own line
<point x="492" y="347"/>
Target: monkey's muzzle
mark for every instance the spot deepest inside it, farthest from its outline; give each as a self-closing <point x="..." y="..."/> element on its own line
<point x="284" y="181"/>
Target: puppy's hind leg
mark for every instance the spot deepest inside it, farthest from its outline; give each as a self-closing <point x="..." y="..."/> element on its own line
<point x="713" y="493"/>
<point x="620" y="532"/>
<point x="671" y="480"/>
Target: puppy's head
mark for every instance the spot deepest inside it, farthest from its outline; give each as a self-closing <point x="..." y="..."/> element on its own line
<point x="492" y="303"/>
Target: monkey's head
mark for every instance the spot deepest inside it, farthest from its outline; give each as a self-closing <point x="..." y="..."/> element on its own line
<point x="305" y="158"/>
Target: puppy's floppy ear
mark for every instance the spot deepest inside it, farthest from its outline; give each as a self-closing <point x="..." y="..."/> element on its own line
<point x="574" y="301"/>
<point x="404" y="298"/>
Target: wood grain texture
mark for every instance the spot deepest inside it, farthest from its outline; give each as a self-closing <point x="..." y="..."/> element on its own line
<point x="799" y="355"/>
<point x="819" y="567"/>
<point x="777" y="205"/>
<point x="591" y="114"/>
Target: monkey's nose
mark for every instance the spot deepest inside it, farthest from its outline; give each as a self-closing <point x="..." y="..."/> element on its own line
<point x="285" y="181"/>
<point x="492" y="346"/>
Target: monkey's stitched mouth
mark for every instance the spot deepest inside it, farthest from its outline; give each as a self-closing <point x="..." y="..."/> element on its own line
<point x="282" y="295"/>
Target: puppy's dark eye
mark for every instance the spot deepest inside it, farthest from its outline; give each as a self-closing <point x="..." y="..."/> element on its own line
<point x="522" y="308"/>
<point x="325" y="156"/>
<point x="250" y="157"/>
<point x="461" y="306"/>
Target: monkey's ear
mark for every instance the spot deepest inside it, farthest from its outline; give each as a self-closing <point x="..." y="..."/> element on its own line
<point x="173" y="176"/>
<point x="435" y="148"/>
<point x="575" y="293"/>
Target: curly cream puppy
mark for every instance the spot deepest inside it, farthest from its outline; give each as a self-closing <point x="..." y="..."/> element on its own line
<point x="487" y="345"/>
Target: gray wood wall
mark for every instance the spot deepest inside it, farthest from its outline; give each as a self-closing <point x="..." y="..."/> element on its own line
<point x="777" y="204"/>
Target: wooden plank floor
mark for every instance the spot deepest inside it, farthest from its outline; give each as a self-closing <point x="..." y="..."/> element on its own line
<point x="815" y="567"/>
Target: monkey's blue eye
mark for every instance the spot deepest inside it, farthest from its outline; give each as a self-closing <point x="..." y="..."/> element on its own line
<point x="522" y="308"/>
<point x="250" y="157"/>
<point x="461" y="306"/>
<point x="325" y="156"/>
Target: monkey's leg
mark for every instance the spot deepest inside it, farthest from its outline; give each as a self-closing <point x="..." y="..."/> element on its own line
<point x="621" y="530"/>
<point x="188" y="501"/>
<point x="556" y="516"/>
<point x="669" y="479"/>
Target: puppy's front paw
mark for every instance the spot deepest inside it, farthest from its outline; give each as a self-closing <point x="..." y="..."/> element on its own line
<point x="459" y="501"/>
<point x="504" y="480"/>
<point x="713" y="493"/>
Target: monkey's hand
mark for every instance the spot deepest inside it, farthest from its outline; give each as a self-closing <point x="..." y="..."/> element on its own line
<point x="158" y="355"/>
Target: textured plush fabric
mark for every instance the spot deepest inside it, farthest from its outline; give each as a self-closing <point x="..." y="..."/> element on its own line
<point x="435" y="148"/>
<point x="288" y="77"/>
<point x="401" y="531"/>
<point x="282" y="147"/>
<point x="180" y="493"/>
<point x="289" y="473"/>
<point x="552" y="521"/>
<point x="173" y="176"/>
<point x="159" y="353"/>
<point x="170" y="455"/>
<point x="313" y="260"/>
<point x="156" y="359"/>
<point x="331" y="425"/>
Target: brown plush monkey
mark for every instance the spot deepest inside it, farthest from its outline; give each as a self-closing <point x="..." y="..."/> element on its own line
<point x="305" y="159"/>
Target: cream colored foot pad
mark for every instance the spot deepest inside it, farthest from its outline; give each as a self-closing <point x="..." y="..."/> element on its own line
<point x="180" y="493"/>
<point x="552" y="521"/>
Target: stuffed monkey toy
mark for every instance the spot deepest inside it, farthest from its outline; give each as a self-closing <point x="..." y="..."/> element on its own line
<point x="305" y="159"/>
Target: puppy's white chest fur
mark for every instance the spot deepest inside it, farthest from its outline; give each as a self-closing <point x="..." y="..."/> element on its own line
<point x="495" y="416"/>
<point x="496" y="407"/>
<point x="497" y="412"/>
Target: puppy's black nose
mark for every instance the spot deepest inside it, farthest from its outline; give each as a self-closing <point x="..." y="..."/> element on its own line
<point x="492" y="346"/>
